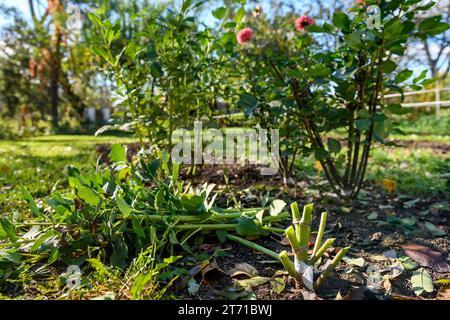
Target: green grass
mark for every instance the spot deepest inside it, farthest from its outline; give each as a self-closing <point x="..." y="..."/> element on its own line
<point x="38" y="163"/>
<point x="416" y="171"/>
<point x="424" y="126"/>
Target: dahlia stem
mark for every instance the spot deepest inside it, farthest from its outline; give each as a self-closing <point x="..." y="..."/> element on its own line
<point x="289" y="266"/>
<point x="295" y="245"/>
<point x="328" y="270"/>
<point x="296" y="219"/>
<point x="254" y="246"/>
<point x="323" y="222"/>
<point x="305" y="230"/>
<point x="280" y="217"/>
<point x="203" y="227"/>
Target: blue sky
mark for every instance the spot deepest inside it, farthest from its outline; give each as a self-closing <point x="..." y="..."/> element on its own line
<point x="22" y="5"/>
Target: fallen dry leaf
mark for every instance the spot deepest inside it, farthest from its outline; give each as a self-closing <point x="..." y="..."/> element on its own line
<point x="389" y="185"/>
<point x="401" y="297"/>
<point x="426" y="257"/>
<point x="243" y="269"/>
<point x="444" y="293"/>
<point x="212" y="272"/>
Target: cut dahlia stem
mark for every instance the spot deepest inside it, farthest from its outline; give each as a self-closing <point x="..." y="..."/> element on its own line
<point x="155" y="217"/>
<point x="273" y="229"/>
<point x="295" y="245"/>
<point x="305" y="230"/>
<point x="328" y="270"/>
<point x="296" y="219"/>
<point x="289" y="266"/>
<point x="254" y="246"/>
<point x="280" y="217"/>
<point x="215" y="226"/>
<point x="321" y="251"/>
<point x="323" y="222"/>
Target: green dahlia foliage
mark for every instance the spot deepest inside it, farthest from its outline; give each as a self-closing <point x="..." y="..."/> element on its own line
<point x="326" y="93"/>
<point x="167" y="72"/>
<point x="114" y="214"/>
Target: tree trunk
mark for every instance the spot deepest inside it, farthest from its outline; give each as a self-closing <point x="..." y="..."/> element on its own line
<point x="54" y="76"/>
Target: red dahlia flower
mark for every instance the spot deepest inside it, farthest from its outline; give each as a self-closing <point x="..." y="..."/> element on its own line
<point x="302" y="22"/>
<point x="244" y="35"/>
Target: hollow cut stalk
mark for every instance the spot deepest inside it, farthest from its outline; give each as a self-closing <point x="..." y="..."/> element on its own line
<point x="323" y="222"/>
<point x="289" y="266"/>
<point x="321" y="251"/>
<point x="305" y="230"/>
<point x="295" y="245"/>
<point x="328" y="270"/>
<point x="296" y="219"/>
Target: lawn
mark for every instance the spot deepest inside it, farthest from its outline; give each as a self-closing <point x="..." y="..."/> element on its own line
<point x="38" y="163"/>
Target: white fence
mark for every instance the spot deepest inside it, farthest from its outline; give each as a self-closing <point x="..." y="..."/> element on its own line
<point x="437" y="102"/>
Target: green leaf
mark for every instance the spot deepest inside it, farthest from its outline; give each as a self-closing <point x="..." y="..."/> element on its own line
<point x="341" y="21"/>
<point x="137" y="227"/>
<point x="88" y="195"/>
<point x="314" y="28"/>
<point x="277" y="285"/>
<point x="276" y="207"/>
<point x="159" y="199"/>
<point x="118" y="153"/>
<point x="354" y="40"/>
<point x="221" y="235"/>
<point x="397" y="109"/>
<point x="388" y="66"/>
<point x="53" y="257"/>
<point x="421" y="76"/>
<point x="435" y="231"/>
<point x="334" y="145"/>
<point x="248" y="103"/>
<point x="156" y="70"/>
<point x="72" y="171"/>
<point x="373" y="215"/>
<point x="362" y="124"/>
<point x="421" y="281"/>
<point x="191" y="201"/>
<point x="252" y="282"/>
<point x="247" y="227"/>
<point x="433" y="26"/>
<point x="219" y="13"/>
<point x="95" y="19"/>
<point x="124" y="207"/>
<point x="31" y="203"/>
<point x="239" y="15"/>
<point x="40" y="241"/>
<point x="10" y="256"/>
<point x="186" y="5"/>
<point x="8" y="228"/>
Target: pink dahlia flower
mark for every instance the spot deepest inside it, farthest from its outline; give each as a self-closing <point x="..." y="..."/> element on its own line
<point x="302" y="22"/>
<point x="244" y="35"/>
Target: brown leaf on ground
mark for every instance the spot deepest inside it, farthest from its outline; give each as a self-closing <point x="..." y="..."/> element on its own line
<point x="426" y="257"/>
<point x="212" y="272"/>
<point x="444" y="293"/>
<point x="243" y="269"/>
<point x="402" y="297"/>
